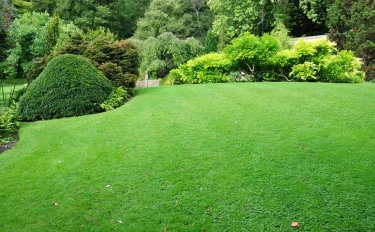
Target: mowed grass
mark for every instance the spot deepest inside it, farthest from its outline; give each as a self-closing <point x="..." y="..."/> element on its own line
<point x="215" y="157"/>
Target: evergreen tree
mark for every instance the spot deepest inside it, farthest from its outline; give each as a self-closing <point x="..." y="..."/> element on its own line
<point x="352" y="27"/>
<point x="210" y="42"/>
<point x="52" y="33"/>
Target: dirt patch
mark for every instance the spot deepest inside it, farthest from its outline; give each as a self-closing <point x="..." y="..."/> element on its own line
<point x="7" y="146"/>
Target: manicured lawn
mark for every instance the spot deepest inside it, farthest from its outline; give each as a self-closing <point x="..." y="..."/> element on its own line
<point x="216" y="157"/>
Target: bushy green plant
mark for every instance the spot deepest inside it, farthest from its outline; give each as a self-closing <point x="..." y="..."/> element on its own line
<point x="69" y="86"/>
<point x="251" y="53"/>
<point x="117" y="97"/>
<point x="173" y="77"/>
<point x="282" y="63"/>
<point x="343" y="68"/>
<point x="9" y="122"/>
<point x="105" y="54"/>
<point x="209" y="68"/>
<point x="304" y="72"/>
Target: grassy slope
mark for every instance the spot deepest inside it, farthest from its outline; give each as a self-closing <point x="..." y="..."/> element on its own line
<point x="222" y="157"/>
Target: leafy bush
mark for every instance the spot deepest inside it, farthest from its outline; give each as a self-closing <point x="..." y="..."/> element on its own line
<point x="209" y="68"/>
<point x="252" y="53"/>
<point x="343" y="68"/>
<point x="9" y="122"/>
<point x="69" y="86"/>
<point x="117" y="97"/>
<point x="304" y="61"/>
<point x="304" y="72"/>
<point x="173" y="78"/>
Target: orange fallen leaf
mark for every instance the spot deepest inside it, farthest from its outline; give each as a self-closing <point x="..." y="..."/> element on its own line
<point x="294" y="224"/>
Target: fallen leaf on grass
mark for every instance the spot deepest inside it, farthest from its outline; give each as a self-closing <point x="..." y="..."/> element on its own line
<point x="89" y="219"/>
<point x="166" y="183"/>
<point x="55" y="203"/>
<point x="147" y="174"/>
<point x="294" y="224"/>
<point x="108" y="186"/>
<point x="119" y="221"/>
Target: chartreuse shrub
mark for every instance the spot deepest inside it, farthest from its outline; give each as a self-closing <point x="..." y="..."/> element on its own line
<point x="315" y="61"/>
<point x="209" y="68"/>
<point x="252" y="53"/>
<point x="69" y="86"/>
<point x="343" y="68"/>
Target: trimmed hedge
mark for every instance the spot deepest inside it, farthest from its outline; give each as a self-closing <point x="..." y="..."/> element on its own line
<point x="69" y="86"/>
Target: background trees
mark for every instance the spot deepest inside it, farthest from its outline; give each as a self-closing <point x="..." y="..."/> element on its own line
<point x="120" y="16"/>
<point x="352" y="25"/>
<point x="184" y="18"/>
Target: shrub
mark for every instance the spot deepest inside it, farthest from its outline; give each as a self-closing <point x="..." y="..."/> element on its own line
<point x="209" y="68"/>
<point x="9" y="122"/>
<point x="343" y="68"/>
<point x="173" y="78"/>
<point x="117" y="97"/>
<point x="103" y="53"/>
<point x="316" y="52"/>
<point x="304" y="72"/>
<point x="69" y="86"/>
<point x="252" y="53"/>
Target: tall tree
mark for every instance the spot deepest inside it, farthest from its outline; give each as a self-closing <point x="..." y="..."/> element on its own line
<point x="234" y="17"/>
<point x="352" y="27"/>
<point x="52" y="32"/>
<point x="184" y="18"/>
<point x="120" y="16"/>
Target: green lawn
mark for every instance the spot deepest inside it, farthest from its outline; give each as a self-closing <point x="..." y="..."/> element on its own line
<point x="215" y="157"/>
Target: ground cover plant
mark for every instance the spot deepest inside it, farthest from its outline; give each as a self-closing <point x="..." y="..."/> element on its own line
<point x="215" y="157"/>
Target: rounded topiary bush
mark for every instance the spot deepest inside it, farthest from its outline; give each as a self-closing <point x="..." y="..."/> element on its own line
<point x="69" y="86"/>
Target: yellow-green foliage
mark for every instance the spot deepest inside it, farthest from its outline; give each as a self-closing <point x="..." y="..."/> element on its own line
<point x="316" y="61"/>
<point x="343" y="68"/>
<point x="209" y="68"/>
